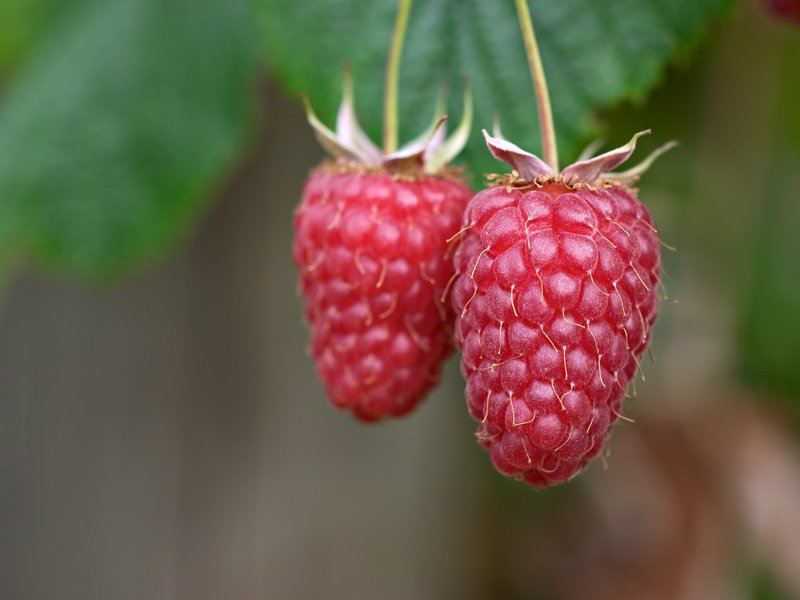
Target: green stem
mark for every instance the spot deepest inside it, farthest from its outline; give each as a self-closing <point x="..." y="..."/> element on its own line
<point x="392" y="70"/>
<point x="549" y="149"/>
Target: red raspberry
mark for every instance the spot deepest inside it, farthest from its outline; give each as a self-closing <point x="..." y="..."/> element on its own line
<point x="371" y="252"/>
<point x="787" y="10"/>
<point x="555" y="299"/>
<point x="371" y="245"/>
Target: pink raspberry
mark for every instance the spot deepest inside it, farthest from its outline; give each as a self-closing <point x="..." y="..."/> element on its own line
<point x="371" y="246"/>
<point x="371" y="252"/>
<point x="555" y="298"/>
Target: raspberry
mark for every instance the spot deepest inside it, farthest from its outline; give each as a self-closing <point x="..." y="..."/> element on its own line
<point x="371" y="246"/>
<point x="555" y="300"/>
<point x="371" y="253"/>
<point x="787" y="10"/>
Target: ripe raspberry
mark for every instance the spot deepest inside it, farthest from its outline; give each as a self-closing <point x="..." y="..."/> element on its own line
<point x="371" y="251"/>
<point x="555" y="299"/>
<point x="370" y="242"/>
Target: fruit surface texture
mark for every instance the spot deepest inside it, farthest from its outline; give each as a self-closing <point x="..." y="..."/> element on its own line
<point x="371" y="248"/>
<point x="555" y="298"/>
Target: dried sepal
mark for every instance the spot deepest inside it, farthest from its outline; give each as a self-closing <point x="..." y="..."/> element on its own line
<point x="586" y="171"/>
<point x="412" y="156"/>
<point x="441" y="153"/>
<point x="331" y="142"/>
<point x="529" y="166"/>
<point x="530" y="169"/>
<point x="428" y="153"/>
<point x="631" y="175"/>
<point x="348" y="129"/>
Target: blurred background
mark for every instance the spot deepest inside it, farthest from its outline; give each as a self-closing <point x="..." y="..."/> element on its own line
<point x="162" y="431"/>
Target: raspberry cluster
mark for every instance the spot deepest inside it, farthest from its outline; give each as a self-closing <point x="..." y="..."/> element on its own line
<point x="553" y="278"/>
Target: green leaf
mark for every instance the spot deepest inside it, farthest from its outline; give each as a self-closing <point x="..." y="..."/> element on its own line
<point x="118" y="128"/>
<point x="771" y="332"/>
<point x="21" y="21"/>
<point x="770" y="320"/>
<point x="594" y="53"/>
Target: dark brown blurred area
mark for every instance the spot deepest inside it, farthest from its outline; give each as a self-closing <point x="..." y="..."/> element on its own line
<point x="167" y="439"/>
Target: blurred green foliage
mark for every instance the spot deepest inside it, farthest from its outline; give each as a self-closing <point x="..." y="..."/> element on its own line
<point x="116" y="128"/>
<point x="120" y="116"/>
<point x="770" y="331"/>
<point x="764" y="587"/>
<point x="21" y="23"/>
<point x="770" y="345"/>
<point x="594" y="54"/>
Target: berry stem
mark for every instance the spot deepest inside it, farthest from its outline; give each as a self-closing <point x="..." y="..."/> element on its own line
<point x="549" y="149"/>
<point x="392" y="70"/>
